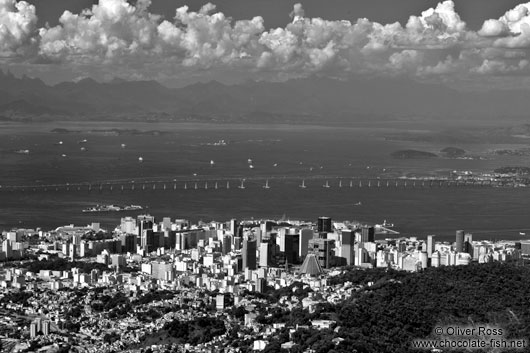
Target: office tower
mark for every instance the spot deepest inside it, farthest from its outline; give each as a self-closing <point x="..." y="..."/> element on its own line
<point x="7" y="249"/>
<point x="424" y="258"/>
<point x="305" y="235"/>
<point x="127" y="225"/>
<point x="296" y="244"/>
<point x="149" y="240"/>
<point x="266" y="227"/>
<point x="14" y="237"/>
<point x="347" y="241"/>
<point x="128" y="242"/>
<point x="367" y="234"/>
<point x="323" y="250"/>
<point x="144" y="222"/>
<point x="265" y="254"/>
<point x="233" y="226"/>
<point x="72" y="251"/>
<point x="459" y="241"/>
<point x="286" y="246"/>
<point x="324" y="225"/>
<point x="249" y="254"/>
<point x="430" y="245"/>
<point x="227" y="243"/>
<point x="166" y="223"/>
<point x="258" y="235"/>
<point x="237" y="243"/>
<point x="468" y="243"/>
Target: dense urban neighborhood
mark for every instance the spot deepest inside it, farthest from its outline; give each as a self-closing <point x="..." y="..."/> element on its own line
<point x="233" y="286"/>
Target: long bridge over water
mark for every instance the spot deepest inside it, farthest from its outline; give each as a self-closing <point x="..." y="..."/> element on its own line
<point x="212" y="183"/>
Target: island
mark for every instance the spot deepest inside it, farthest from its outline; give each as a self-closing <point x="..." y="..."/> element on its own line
<point x="413" y="154"/>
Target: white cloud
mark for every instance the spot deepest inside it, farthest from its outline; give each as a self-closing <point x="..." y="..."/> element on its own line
<point x="17" y="24"/>
<point x="117" y="38"/>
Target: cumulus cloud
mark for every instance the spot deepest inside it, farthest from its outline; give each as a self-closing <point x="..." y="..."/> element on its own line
<point x="115" y="37"/>
<point x="17" y="24"/>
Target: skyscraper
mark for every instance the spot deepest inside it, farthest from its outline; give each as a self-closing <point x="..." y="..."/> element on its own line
<point x="468" y="243"/>
<point x="286" y="246"/>
<point x="324" y="225"/>
<point x="249" y="254"/>
<point x="430" y="245"/>
<point x="348" y="240"/>
<point x="367" y="234"/>
<point x="459" y="241"/>
<point x="323" y="250"/>
<point x="265" y="254"/>
<point x="305" y="235"/>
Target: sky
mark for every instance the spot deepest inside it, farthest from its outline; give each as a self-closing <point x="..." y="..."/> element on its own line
<point x="177" y="42"/>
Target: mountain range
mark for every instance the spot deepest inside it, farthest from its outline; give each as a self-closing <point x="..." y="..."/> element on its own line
<point x="309" y="98"/>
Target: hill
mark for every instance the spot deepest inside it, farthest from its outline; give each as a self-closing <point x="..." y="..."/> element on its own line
<point x="312" y="99"/>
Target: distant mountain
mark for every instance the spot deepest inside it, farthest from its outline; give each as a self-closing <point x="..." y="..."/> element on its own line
<point x="23" y="107"/>
<point x="309" y="99"/>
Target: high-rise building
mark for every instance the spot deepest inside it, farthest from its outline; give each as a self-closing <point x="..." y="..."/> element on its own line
<point x="323" y="250"/>
<point x="7" y="249"/>
<point x="144" y="222"/>
<point x="249" y="254"/>
<point x="227" y="243"/>
<point x="324" y="225"/>
<point x="286" y="246"/>
<point x="265" y="254"/>
<point x="468" y="243"/>
<point x="367" y="234"/>
<point x="127" y="225"/>
<point x="347" y="241"/>
<point x="233" y="226"/>
<point x="166" y="223"/>
<point x="38" y="323"/>
<point x="46" y="327"/>
<point x="430" y="245"/>
<point x="33" y="330"/>
<point x="129" y="242"/>
<point x="237" y="243"/>
<point x="459" y="241"/>
<point x="72" y="253"/>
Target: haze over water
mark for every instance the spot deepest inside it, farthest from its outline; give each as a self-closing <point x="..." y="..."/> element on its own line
<point x="284" y="154"/>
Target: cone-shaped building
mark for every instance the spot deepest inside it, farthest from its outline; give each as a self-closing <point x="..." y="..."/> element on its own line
<point x="311" y="266"/>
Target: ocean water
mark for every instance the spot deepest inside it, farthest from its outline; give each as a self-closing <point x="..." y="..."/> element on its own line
<point x="175" y="154"/>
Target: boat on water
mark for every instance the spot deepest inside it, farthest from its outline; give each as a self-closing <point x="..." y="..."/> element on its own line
<point x="358" y="203"/>
<point x="522" y="233"/>
<point x="326" y="185"/>
<point x="266" y="186"/>
<point x="303" y="186"/>
<point x="242" y="186"/>
<point x="387" y="224"/>
<point x="112" y="208"/>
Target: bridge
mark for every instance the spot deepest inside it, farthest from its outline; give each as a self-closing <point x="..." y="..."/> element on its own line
<point x="213" y="183"/>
